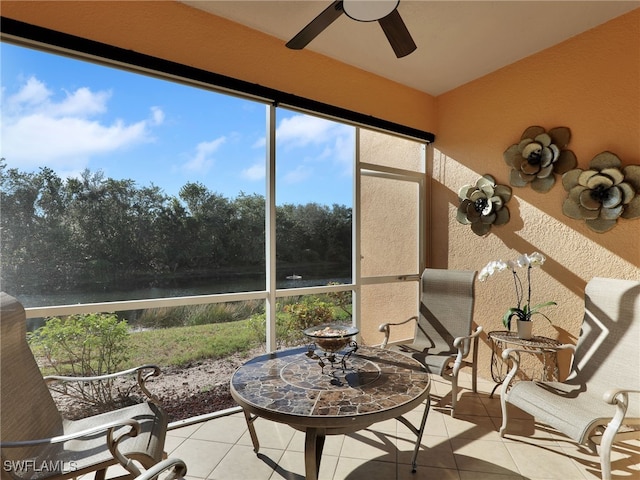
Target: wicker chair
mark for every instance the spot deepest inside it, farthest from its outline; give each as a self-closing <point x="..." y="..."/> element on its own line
<point x="591" y="405"/>
<point x="37" y="443"/>
<point x="443" y="334"/>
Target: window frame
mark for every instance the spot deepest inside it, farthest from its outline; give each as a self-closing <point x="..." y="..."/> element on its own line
<point x="31" y="36"/>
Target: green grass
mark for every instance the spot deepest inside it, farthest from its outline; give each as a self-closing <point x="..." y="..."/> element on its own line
<point x="217" y="331"/>
<point x="180" y="346"/>
<point x="167" y="317"/>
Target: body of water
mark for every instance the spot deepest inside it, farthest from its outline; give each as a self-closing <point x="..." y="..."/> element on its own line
<point x="228" y="285"/>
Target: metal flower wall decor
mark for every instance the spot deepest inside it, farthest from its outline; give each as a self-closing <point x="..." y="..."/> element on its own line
<point x="538" y="156"/>
<point x="603" y="193"/>
<point x="483" y="205"/>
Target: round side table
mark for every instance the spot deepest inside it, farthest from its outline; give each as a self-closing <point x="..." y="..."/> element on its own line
<point x="544" y="347"/>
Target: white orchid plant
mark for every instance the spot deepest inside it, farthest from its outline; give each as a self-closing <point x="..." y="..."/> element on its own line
<point x="523" y="310"/>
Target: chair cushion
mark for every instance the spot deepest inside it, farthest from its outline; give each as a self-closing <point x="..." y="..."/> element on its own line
<point x="434" y="362"/>
<point x="89" y="454"/>
<point x="568" y="408"/>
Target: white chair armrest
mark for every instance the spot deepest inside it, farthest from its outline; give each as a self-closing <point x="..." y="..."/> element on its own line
<point x="458" y="340"/>
<point x="620" y="398"/>
<point x="385" y="328"/>
<point x="113" y="440"/>
<point x="177" y="467"/>
<point x="142" y="377"/>
<point x="612" y="395"/>
<point x="133" y="431"/>
<point x="459" y="344"/>
<point x="60" y="378"/>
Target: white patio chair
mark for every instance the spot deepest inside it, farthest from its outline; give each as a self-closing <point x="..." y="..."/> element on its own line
<point x="443" y="332"/>
<point x="592" y="404"/>
<point x="37" y="443"/>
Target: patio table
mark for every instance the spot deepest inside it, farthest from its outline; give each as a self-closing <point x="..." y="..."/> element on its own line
<point x="290" y="387"/>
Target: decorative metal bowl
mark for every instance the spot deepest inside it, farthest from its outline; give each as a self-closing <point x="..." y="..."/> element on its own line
<point x="332" y="337"/>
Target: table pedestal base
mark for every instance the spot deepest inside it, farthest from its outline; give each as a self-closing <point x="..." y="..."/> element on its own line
<point x="313" y="445"/>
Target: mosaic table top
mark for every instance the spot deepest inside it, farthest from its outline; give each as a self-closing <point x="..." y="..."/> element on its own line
<point x="291" y="383"/>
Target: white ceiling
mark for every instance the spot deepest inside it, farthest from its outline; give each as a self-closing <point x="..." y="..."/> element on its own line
<point x="458" y="41"/>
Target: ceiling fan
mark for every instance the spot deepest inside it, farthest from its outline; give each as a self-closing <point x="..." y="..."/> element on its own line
<point x="385" y="12"/>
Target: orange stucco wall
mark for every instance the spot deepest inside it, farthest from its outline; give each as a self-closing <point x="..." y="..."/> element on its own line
<point x="179" y="33"/>
<point x="589" y="83"/>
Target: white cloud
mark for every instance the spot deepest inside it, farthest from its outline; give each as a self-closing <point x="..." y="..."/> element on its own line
<point x="260" y="143"/>
<point x="32" y="93"/>
<point x="335" y="140"/>
<point x="157" y="116"/>
<point x="35" y="98"/>
<point x="343" y="150"/>
<point x="82" y="103"/>
<point x="299" y="174"/>
<point x="38" y="130"/>
<point x="202" y="160"/>
<point x="302" y="130"/>
<point x="254" y="172"/>
<point x="323" y="141"/>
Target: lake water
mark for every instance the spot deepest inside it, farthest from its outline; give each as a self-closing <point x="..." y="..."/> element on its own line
<point x="232" y="285"/>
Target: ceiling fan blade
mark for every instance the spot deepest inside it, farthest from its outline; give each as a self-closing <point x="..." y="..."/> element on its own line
<point x="316" y="26"/>
<point x="397" y="34"/>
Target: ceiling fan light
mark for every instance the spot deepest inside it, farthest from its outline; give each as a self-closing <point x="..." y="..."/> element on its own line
<point x="369" y="10"/>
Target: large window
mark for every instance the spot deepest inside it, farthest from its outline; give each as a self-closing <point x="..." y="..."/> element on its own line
<point x="177" y="206"/>
<point x="118" y="186"/>
<point x="314" y="161"/>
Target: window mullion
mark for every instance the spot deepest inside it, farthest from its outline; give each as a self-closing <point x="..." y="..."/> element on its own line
<point x="270" y="228"/>
<point x="355" y="235"/>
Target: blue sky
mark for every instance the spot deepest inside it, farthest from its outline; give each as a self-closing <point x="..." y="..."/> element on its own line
<point x="70" y="115"/>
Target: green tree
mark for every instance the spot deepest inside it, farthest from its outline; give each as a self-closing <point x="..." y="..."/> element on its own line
<point x="93" y="230"/>
<point x="246" y="230"/>
<point x="208" y="225"/>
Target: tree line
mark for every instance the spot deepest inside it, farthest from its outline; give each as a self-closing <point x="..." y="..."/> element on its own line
<point x="65" y="233"/>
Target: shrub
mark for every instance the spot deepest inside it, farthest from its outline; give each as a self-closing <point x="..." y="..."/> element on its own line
<point x="287" y="334"/>
<point x="292" y="318"/>
<point x="343" y="302"/>
<point x="310" y="312"/>
<point x="84" y="345"/>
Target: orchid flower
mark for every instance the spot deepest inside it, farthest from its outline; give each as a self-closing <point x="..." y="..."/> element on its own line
<point x="521" y="311"/>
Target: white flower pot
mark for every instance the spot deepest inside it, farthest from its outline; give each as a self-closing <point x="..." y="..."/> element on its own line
<point x="524" y="329"/>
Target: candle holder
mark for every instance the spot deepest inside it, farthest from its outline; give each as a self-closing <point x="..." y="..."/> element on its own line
<point x="331" y="344"/>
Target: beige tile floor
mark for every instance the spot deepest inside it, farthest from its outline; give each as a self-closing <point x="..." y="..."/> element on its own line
<point x="467" y="447"/>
